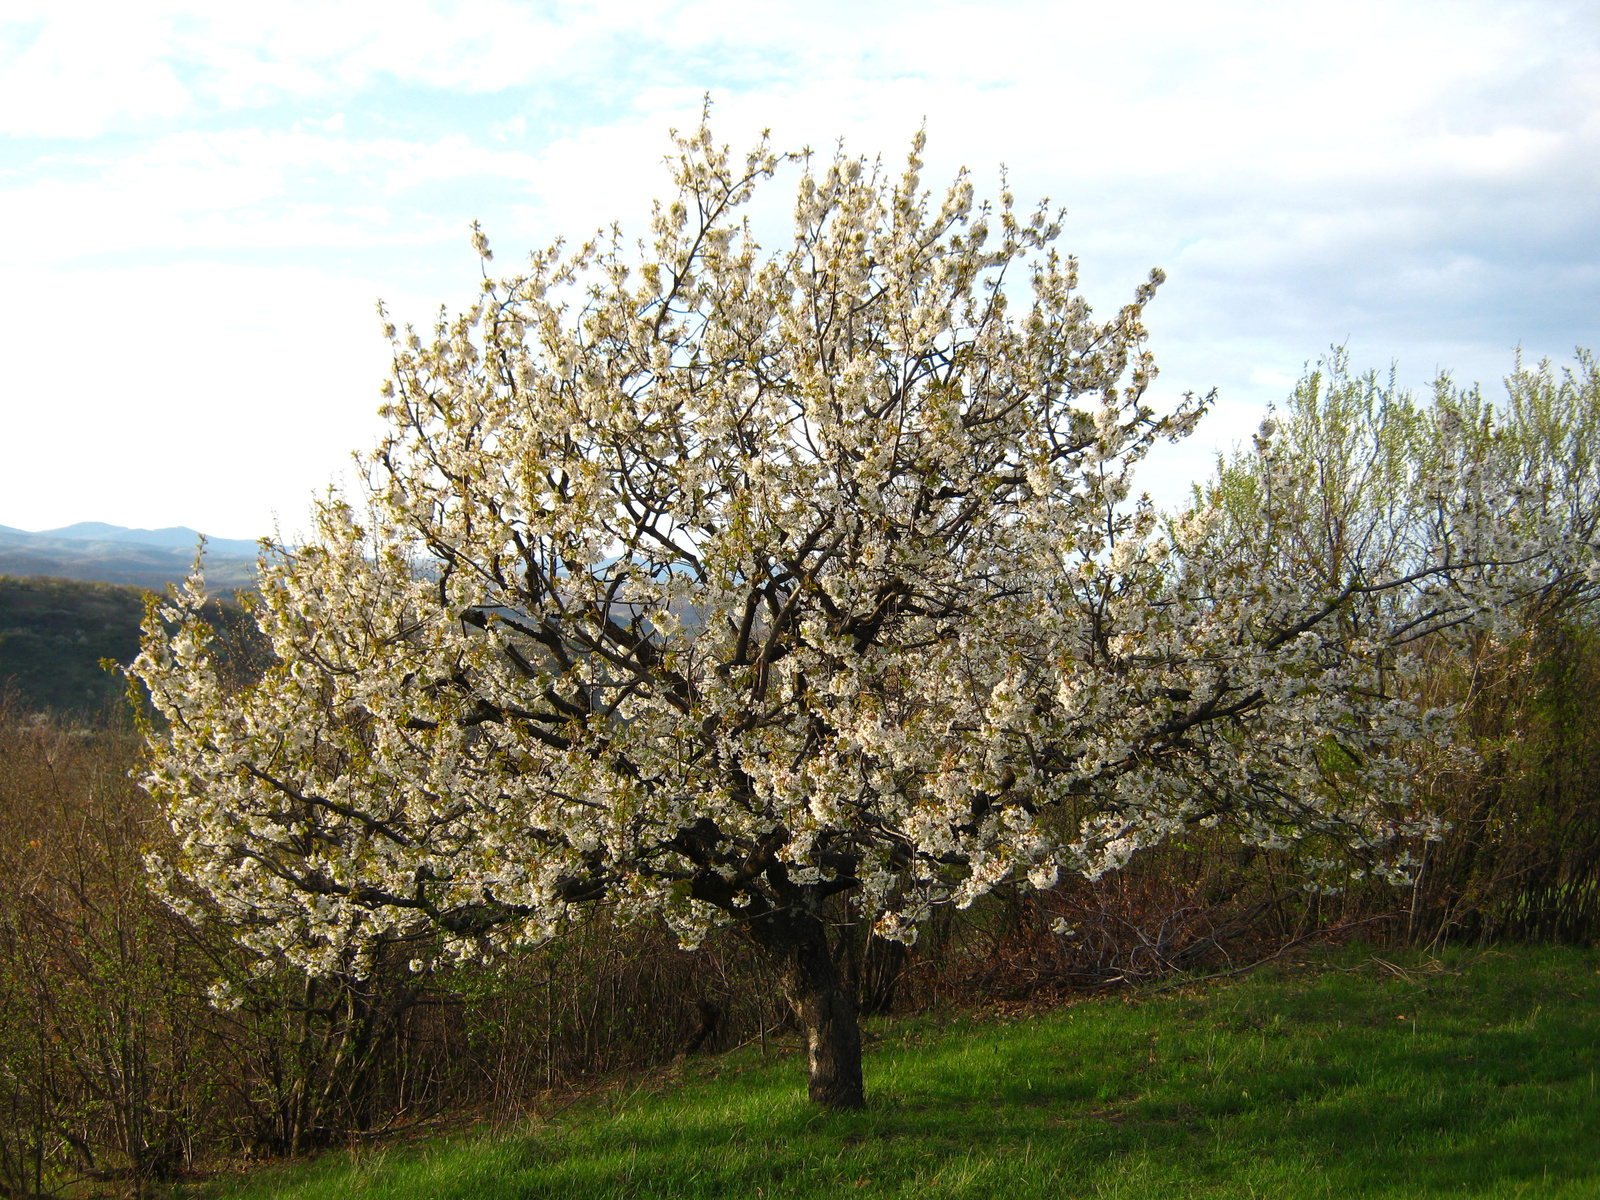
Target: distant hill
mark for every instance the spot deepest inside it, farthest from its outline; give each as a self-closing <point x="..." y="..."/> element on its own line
<point x="55" y="632"/>
<point x="177" y="536"/>
<point x="149" y="558"/>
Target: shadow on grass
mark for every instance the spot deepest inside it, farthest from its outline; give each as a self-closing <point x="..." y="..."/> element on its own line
<point x="1461" y="1077"/>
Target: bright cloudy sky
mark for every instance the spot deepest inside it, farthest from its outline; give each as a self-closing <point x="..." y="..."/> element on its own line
<point x="200" y="202"/>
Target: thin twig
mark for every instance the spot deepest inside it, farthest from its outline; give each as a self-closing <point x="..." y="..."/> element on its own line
<point x="1279" y="953"/>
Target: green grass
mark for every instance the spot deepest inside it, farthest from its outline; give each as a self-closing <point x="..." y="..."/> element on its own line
<point x="1471" y="1075"/>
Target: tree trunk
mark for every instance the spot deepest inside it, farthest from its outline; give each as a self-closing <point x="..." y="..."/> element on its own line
<point x="797" y="944"/>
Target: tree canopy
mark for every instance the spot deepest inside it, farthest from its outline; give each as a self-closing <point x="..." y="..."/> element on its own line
<point x="708" y="582"/>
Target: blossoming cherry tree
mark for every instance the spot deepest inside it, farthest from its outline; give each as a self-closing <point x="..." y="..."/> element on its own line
<point x="706" y="583"/>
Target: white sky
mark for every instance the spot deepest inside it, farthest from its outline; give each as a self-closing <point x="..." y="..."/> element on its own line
<point x="200" y="203"/>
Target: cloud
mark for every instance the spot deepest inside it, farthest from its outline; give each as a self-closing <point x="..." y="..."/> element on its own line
<point x="187" y="392"/>
<point x="1416" y="178"/>
<point x="111" y="64"/>
<point x="66" y="72"/>
<point x="246" y="189"/>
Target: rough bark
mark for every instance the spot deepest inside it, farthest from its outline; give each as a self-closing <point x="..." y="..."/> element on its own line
<point x="797" y="945"/>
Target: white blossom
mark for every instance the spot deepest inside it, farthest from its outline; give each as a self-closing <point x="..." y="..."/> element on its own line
<point x="716" y="584"/>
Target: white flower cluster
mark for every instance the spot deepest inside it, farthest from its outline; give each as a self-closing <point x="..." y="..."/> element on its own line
<point x="717" y="584"/>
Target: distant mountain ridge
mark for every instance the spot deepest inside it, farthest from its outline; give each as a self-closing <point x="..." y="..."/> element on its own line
<point x="174" y="536"/>
<point x="149" y="558"/>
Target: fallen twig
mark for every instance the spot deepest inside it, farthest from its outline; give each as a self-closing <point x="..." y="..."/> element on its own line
<point x="1279" y="953"/>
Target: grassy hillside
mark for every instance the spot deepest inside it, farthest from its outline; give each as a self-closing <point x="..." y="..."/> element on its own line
<point x="53" y="634"/>
<point x="1467" y="1075"/>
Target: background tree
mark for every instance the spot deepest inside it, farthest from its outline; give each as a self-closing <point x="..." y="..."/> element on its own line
<point x="1355" y="461"/>
<point x="708" y="583"/>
